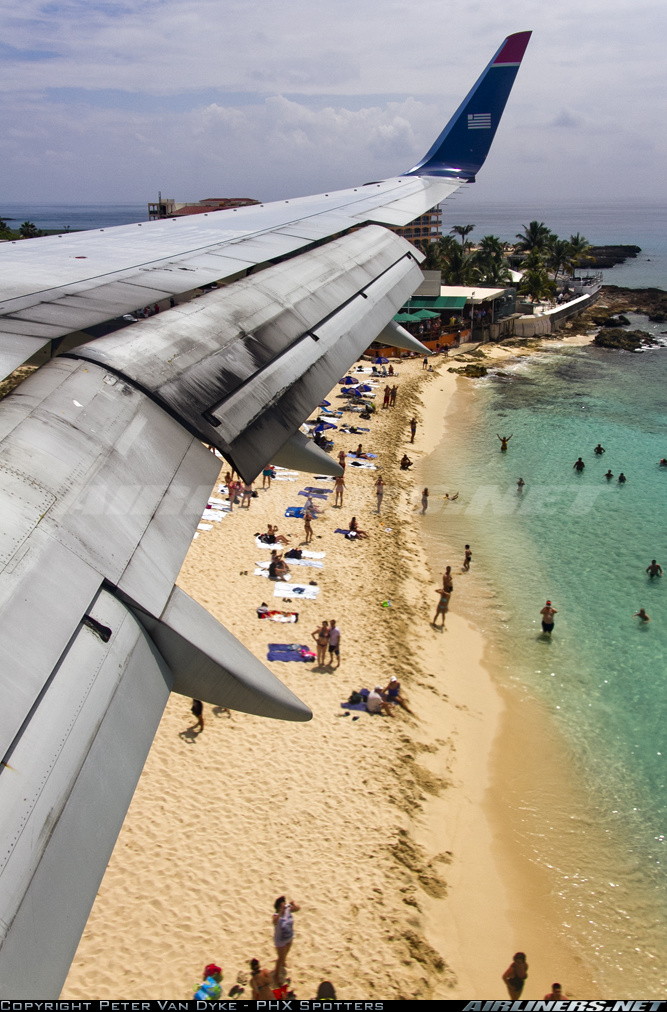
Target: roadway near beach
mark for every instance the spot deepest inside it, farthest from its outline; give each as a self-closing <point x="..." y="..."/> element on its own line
<point x="393" y="835"/>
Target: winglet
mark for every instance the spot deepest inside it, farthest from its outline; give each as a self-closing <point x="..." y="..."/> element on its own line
<point x="463" y="145"/>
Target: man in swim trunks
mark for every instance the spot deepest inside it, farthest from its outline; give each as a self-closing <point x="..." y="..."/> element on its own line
<point x="578" y="465"/>
<point x="447" y="581"/>
<point x="599" y="450"/>
<point x="334" y="643"/>
<point x="654" y="570"/>
<point x="547" y="614"/>
<point x="622" y="479"/>
<point x="467" y="559"/>
<point x="609" y="475"/>
<point x="406" y="463"/>
<point x="413" y="429"/>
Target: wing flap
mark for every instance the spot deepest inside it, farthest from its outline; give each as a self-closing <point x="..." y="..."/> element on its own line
<point x="64" y="791"/>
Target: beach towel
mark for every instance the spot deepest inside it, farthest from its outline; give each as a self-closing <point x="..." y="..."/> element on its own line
<point x="363" y="463"/>
<point x="297" y="511"/>
<point x="313" y="495"/>
<point x="315" y="490"/>
<point x="294" y="562"/>
<point x="283" y="477"/>
<point x="204" y="527"/>
<point x="358" y="706"/>
<point x="371" y="456"/>
<point x="215" y="515"/>
<point x="289" y="652"/>
<point x="302" y="590"/>
<point x="277" y="616"/>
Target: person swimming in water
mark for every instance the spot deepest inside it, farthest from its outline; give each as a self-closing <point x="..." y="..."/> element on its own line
<point x="609" y="475"/>
<point x="578" y="465"/>
<point x="504" y="440"/>
<point x="622" y="479"/>
<point x="599" y="450"/>
<point x="654" y="570"/>
<point x="641" y="615"/>
<point x="519" y="485"/>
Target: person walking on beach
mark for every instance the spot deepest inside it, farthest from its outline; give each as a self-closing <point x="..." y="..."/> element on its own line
<point x="379" y="492"/>
<point x="504" y="440"/>
<point x="342" y="458"/>
<point x="467" y="559"/>
<point x="413" y="429"/>
<point x="307" y="517"/>
<point x="283" y="934"/>
<point x="442" y="609"/>
<point x="424" y="501"/>
<point x="321" y="637"/>
<point x="515" y="975"/>
<point x="425" y="362"/>
<point x="547" y="614"/>
<point x="339" y="487"/>
<point x="654" y="570"/>
<point x="334" y="643"/>
<point x="578" y="465"/>
<point x="267" y="474"/>
<point x="197" y="709"/>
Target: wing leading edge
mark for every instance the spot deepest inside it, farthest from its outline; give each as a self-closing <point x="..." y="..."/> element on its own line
<point x="103" y="479"/>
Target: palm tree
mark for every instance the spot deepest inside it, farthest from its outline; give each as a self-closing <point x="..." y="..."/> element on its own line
<point x="28" y="230"/>
<point x="491" y="266"/>
<point x="535" y="236"/>
<point x="559" y="256"/>
<point x="537" y="285"/>
<point x="580" y="247"/>
<point x="491" y="244"/>
<point x="463" y="231"/>
<point x="460" y="267"/>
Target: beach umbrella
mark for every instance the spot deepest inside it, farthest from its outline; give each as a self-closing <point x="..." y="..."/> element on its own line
<point x="381" y="361"/>
<point x="366" y="388"/>
<point x="325" y="425"/>
<point x="425" y="314"/>
<point x="405" y="318"/>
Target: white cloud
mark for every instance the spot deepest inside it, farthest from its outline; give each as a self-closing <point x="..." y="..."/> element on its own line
<point x="584" y="108"/>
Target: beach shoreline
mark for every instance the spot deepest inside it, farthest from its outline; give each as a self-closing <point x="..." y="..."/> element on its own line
<point x="382" y="805"/>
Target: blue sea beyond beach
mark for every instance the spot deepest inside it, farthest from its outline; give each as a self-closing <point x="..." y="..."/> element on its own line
<point x="584" y="543"/>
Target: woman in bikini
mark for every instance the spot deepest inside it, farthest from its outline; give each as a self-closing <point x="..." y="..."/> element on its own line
<point x="307" y="517"/>
<point x="515" y="975"/>
<point x="321" y="637"/>
<point x="356" y="529"/>
<point x="260" y="981"/>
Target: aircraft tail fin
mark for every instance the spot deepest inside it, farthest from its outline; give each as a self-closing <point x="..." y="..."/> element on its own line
<point x="463" y="145"/>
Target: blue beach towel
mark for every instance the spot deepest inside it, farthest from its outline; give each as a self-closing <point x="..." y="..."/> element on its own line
<point x="318" y="491"/>
<point x="295" y="511"/>
<point x="313" y="495"/>
<point x="358" y="706"/>
<point x="290" y="652"/>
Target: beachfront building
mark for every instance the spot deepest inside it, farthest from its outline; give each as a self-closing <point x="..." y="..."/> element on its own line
<point x="426" y="228"/>
<point x="167" y="207"/>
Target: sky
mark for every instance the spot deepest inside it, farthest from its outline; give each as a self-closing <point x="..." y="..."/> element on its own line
<point x="114" y="101"/>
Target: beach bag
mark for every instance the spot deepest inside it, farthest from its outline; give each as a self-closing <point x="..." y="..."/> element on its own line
<point x="355" y="697"/>
<point x="294" y="553"/>
<point x="210" y="990"/>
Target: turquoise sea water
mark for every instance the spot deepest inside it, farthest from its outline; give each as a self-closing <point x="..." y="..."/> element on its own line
<point x="583" y="543"/>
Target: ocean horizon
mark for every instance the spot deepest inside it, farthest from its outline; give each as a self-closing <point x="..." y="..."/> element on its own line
<point x="612" y="222"/>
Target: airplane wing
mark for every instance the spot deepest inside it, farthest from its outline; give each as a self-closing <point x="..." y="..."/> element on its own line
<point x="103" y="478"/>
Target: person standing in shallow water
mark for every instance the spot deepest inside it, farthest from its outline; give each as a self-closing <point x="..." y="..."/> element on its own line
<point x="504" y="440"/>
<point x="515" y="975"/>
<point x="547" y="614"/>
<point x="578" y="465"/>
<point x="424" y="500"/>
<point x="467" y="559"/>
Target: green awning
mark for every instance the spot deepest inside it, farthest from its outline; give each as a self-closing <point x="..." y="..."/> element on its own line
<point x="405" y="318"/>
<point x="441" y="302"/>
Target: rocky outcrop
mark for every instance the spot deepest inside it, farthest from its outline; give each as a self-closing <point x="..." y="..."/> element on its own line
<point x="608" y="320"/>
<point x="471" y="369"/>
<point x="623" y="340"/>
<point x="609" y="256"/>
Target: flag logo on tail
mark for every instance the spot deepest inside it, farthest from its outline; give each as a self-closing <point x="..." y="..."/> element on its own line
<point x="479" y="121"/>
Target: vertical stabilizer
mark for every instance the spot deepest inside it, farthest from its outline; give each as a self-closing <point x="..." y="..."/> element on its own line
<point x="463" y="145"/>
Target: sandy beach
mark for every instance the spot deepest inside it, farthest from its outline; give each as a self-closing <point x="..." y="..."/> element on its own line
<point x="395" y="836"/>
